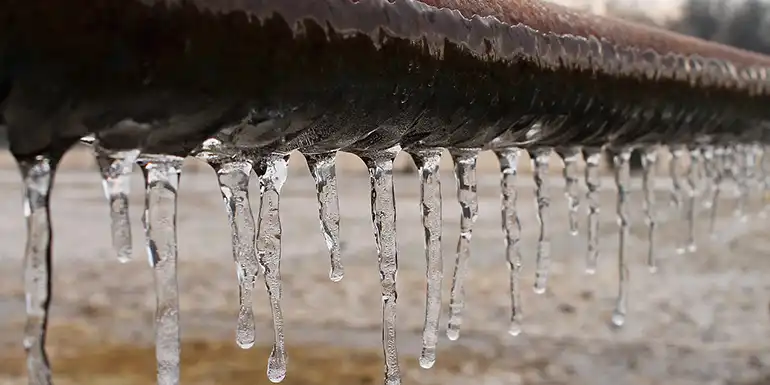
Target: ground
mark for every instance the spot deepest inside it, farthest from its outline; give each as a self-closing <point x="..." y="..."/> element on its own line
<point x="702" y="319"/>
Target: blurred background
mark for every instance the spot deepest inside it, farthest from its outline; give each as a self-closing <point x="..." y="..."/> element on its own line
<point x="702" y="319"/>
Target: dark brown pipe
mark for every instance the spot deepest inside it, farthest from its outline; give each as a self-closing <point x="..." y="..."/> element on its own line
<point x="326" y="74"/>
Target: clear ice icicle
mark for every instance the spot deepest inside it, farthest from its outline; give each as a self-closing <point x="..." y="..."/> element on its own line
<point x="323" y="170"/>
<point x="383" y="203"/>
<point x="508" y="159"/>
<point x="161" y="173"/>
<point x="115" y="168"/>
<point x="720" y="158"/>
<point x="622" y="181"/>
<point x="37" y="176"/>
<point x="677" y="152"/>
<point x="692" y="192"/>
<point x="570" y="158"/>
<point x="465" y="177"/>
<point x="649" y="159"/>
<point x="233" y="178"/>
<point x="427" y="161"/>
<point x="540" y="157"/>
<point x="592" y="156"/>
<point x="272" y="171"/>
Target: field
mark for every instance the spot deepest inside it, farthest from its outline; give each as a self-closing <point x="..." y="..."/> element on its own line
<point x="702" y="319"/>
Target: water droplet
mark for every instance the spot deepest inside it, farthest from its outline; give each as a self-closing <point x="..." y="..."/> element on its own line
<point x="383" y="203"/>
<point x="570" y="157"/>
<point x="465" y="178"/>
<point x="622" y="181"/>
<point x="508" y="159"/>
<point x="323" y="171"/>
<point x="161" y="174"/>
<point x="115" y="168"/>
<point x="649" y="160"/>
<point x="37" y="177"/>
<point x="540" y="159"/>
<point x="427" y="161"/>
<point x="592" y="156"/>
<point x="272" y="170"/>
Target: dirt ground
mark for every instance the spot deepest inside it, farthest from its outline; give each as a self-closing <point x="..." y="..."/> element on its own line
<point x="702" y="319"/>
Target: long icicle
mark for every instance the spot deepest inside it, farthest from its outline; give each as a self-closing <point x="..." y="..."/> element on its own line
<point x="427" y="161"/>
<point x="677" y="189"/>
<point x="161" y="173"/>
<point x="233" y="178"/>
<point x="649" y="160"/>
<point x="508" y="159"/>
<point x="592" y="156"/>
<point x="383" y="203"/>
<point x="622" y="181"/>
<point x="38" y="178"/>
<point x="115" y="168"/>
<point x="272" y="172"/>
<point x="322" y="168"/>
<point x="570" y="156"/>
<point x="540" y="158"/>
<point x="465" y="177"/>
<point x="720" y="158"/>
<point x="692" y="193"/>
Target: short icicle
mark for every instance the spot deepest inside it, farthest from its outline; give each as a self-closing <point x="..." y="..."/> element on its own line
<point x="592" y="156"/>
<point x="383" y="203"/>
<point x="272" y="170"/>
<point x="540" y="158"/>
<point x="508" y="159"/>
<point x="465" y="178"/>
<point x="161" y="174"/>
<point x="38" y="178"/>
<point x="322" y="168"/>
<point x="233" y="178"/>
<point x="649" y="160"/>
<point x="427" y="161"/>
<point x="622" y="181"/>
<point x="570" y="156"/>
<point x="115" y="168"/>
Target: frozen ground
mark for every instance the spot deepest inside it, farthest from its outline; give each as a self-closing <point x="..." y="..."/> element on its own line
<point x="702" y="319"/>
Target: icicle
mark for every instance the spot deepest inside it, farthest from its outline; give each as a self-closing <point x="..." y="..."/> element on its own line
<point x="592" y="158"/>
<point x="161" y="173"/>
<point x="622" y="181"/>
<point x="272" y="172"/>
<point x="427" y="161"/>
<point x="692" y="192"/>
<point x="649" y="159"/>
<point x="720" y="168"/>
<point x="508" y="159"/>
<point x="709" y="176"/>
<point x="115" y="168"/>
<point x="383" y="202"/>
<point x="233" y="171"/>
<point x="677" y="191"/>
<point x="570" y="157"/>
<point x="465" y="177"/>
<point x="233" y="177"/>
<point x="37" y="177"/>
<point x="540" y="157"/>
<point x="323" y="170"/>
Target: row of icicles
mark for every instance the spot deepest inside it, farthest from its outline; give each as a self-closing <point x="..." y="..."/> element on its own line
<point x="257" y="246"/>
